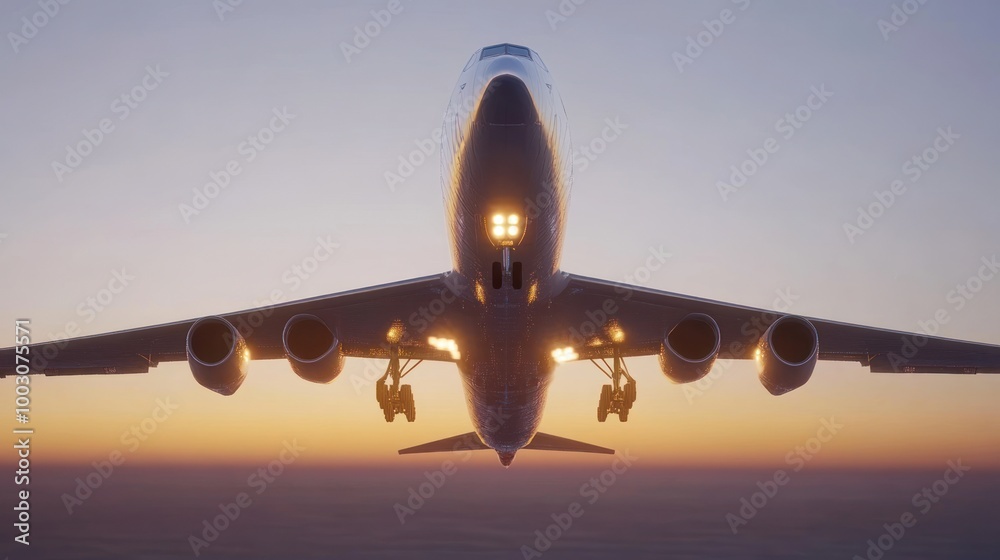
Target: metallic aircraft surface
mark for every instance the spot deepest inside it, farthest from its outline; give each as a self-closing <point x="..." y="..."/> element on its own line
<point x="506" y="314"/>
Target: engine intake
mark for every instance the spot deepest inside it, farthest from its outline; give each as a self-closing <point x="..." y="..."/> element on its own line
<point x="312" y="349"/>
<point x="690" y="348"/>
<point x="217" y="354"/>
<point x="787" y="354"/>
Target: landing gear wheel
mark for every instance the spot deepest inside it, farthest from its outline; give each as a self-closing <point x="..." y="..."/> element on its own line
<point x="392" y="397"/>
<point x="604" y="405"/>
<point x="618" y="397"/>
<point x="406" y="399"/>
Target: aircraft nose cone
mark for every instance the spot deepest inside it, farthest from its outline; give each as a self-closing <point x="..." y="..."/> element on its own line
<point x="506" y="457"/>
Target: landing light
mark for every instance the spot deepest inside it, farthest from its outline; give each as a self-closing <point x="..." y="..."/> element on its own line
<point x="566" y="354"/>
<point x="446" y="344"/>
<point x="506" y="229"/>
<point x="617" y="335"/>
<point x="394" y="334"/>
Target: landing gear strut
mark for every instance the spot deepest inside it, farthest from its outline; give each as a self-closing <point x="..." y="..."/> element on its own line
<point x="392" y="397"/>
<point x="616" y="398"/>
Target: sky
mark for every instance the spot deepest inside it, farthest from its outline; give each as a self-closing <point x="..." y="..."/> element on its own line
<point x="843" y="102"/>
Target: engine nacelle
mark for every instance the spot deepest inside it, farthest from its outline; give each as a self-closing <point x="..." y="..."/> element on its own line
<point x="690" y="348"/>
<point x="217" y="354"/>
<point x="312" y="349"/>
<point x="787" y="354"/>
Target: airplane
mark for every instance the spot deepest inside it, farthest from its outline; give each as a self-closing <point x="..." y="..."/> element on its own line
<point x="506" y="314"/>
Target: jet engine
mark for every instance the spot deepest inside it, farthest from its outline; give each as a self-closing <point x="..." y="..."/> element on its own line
<point x="786" y="354"/>
<point x="217" y="354"/>
<point x="690" y="348"/>
<point x="312" y="349"/>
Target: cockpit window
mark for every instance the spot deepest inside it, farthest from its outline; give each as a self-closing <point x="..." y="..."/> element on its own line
<point x="518" y="51"/>
<point x="493" y="51"/>
<point x="506" y="48"/>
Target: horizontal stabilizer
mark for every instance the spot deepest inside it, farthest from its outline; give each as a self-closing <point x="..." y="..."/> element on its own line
<point x="471" y="441"/>
<point x="455" y="443"/>
<point x="547" y="442"/>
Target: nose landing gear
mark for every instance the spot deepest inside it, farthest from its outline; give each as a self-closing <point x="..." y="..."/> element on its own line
<point x="616" y="398"/>
<point x="392" y="397"/>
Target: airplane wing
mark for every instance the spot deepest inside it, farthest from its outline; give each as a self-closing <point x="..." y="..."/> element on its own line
<point x="591" y="307"/>
<point x="361" y="318"/>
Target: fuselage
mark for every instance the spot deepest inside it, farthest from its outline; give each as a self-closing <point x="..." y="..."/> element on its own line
<point x="506" y="156"/>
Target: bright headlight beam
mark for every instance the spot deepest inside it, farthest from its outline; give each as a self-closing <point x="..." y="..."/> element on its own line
<point x="566" y="354"/>
<point x="445" y="344"/>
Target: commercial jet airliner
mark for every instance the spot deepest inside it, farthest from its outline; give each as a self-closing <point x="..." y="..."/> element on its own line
<point x="505" y="314"/>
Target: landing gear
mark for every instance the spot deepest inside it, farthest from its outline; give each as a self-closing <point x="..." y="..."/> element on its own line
<point x="507" y="271"/>
<point x="392" y="397"/>
<point x="616" y="398"/>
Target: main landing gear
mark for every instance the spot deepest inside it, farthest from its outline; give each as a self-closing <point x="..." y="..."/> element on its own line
<point x="392" y="397"/>
<point x="616" y="398"/>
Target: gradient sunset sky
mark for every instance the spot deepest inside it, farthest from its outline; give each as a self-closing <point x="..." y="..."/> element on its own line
<point x="654" y="187"/>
